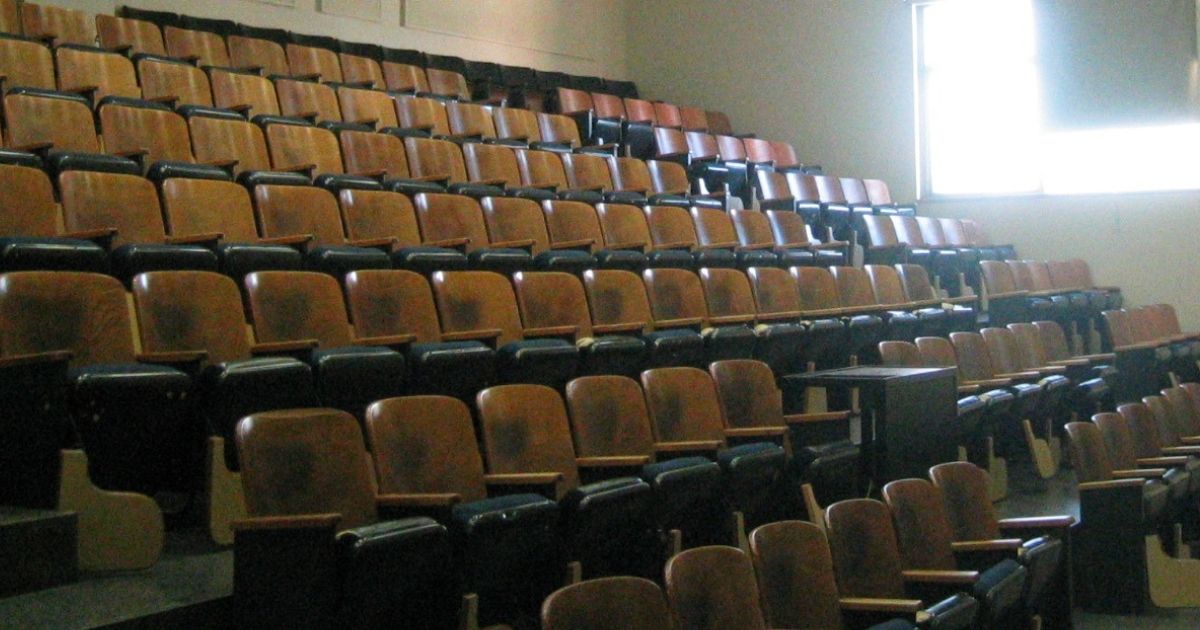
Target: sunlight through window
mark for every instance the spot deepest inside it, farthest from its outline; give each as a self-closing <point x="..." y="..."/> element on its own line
<point x="982" y="123"/>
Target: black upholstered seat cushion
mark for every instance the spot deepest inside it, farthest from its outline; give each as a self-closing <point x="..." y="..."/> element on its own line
<point x="755" y="458"/>
<point x="729" y="342"/>
<point x="412" y="187"/>
<point x="954" y="613"/>
<point x="999" y="590"/>
<point x="398" y="569"/>
<point x="725" y="258"/>
<point x="338" y="260"/>
<point x="134" y="258"/>
<point x="451" y="367"/>
<point x="477" y="191"/>
<point x="498" y="513"/>
<point x="568" y="260"/>
<point x="27" y="253"/>
<point x="627" y="259"/>
<point x="612" y="354"/>
<point x="238" y="259"/>
<point x="139" y="426"/>
<point x="232" y="390"/>
<point x="546" y="361"/>
<point x="503" y="260"/>
<point x="629" y="491"/>
<point x="757" y="258"/>
<point x="675" y="347"/>
<point x="351" y="377"/>
<point x="425" y="259"/>
<point x="673" y="258"/>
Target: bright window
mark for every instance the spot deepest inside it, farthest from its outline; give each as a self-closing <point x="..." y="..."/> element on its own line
<point x="981" y="122"/>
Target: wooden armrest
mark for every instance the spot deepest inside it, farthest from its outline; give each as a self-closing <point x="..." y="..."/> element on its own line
<point x="312" y="76"/>
<point x="93" y="234"/>
<point x="275" y="347"/>
<point x="1110" y="485"/>
<point x="1007" y="295"/>
<point x="1018" y="376"/>
<point x="583" y="242"/>
<point x="491" y="182"/>
<point x="991" y="382"/>
<point x="417" y="500"/>
<point x="552" y="331"/>
<point x="1141" y="473"/>
<point x="1071" y="362"/>
<point x="450" y="242"/>
<point x="179" y="356"/>
<point x="225" y="163"/>
<point x="721" y="245"/>
<point x="641" y="247"/>
<point x="519" y="243"/>
<point x="623" y="327"/>
<point x="523" y="479"/>
<point x="962" y="299"/>
<point x="1145" y="345"/>
<point x="471" y="335"/>
<point x="81" y="89"/>
<point x="543" y="185"/>
<point x="1051" y="369"/>
<point x="18" y="360"/>
<point x="1102" y="357"/>
<point x="725" y="320"/>
<point x="678" y="323"/>
<point x="241" y="108"/>
<point x="385" y="242"/>
<point x="1181" y="450"/>
<point x="808" y="418"/>
<point x="830" y="245"/>
<point x="781" y="315"/>
<point x="824" y="312"/>
<point x="1190" y="440"/>
<point x="628" y="461"/>
<point x="969" y="389"/>
<point x="997" y="544"/>
<point x="1163" y="462"/>
<point x="191" y="239"/>
<point x="34" y="147"/>
<point x="293" y="239"/>
<point x="306" y="169"/>
<point x="753" y="432"/>
<point x="870" y="604"/>
<point x="298" y="521"/>
<point x="386" y="340"/>
<point x="1037" y="522"/>
<point x="687" y="446"/>
<point x="675" y="245"/>
<point x="940" y="577"/>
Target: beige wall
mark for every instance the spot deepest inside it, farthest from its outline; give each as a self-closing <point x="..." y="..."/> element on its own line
<point x="834" y="77"/>
<point x="595" y="26"/>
